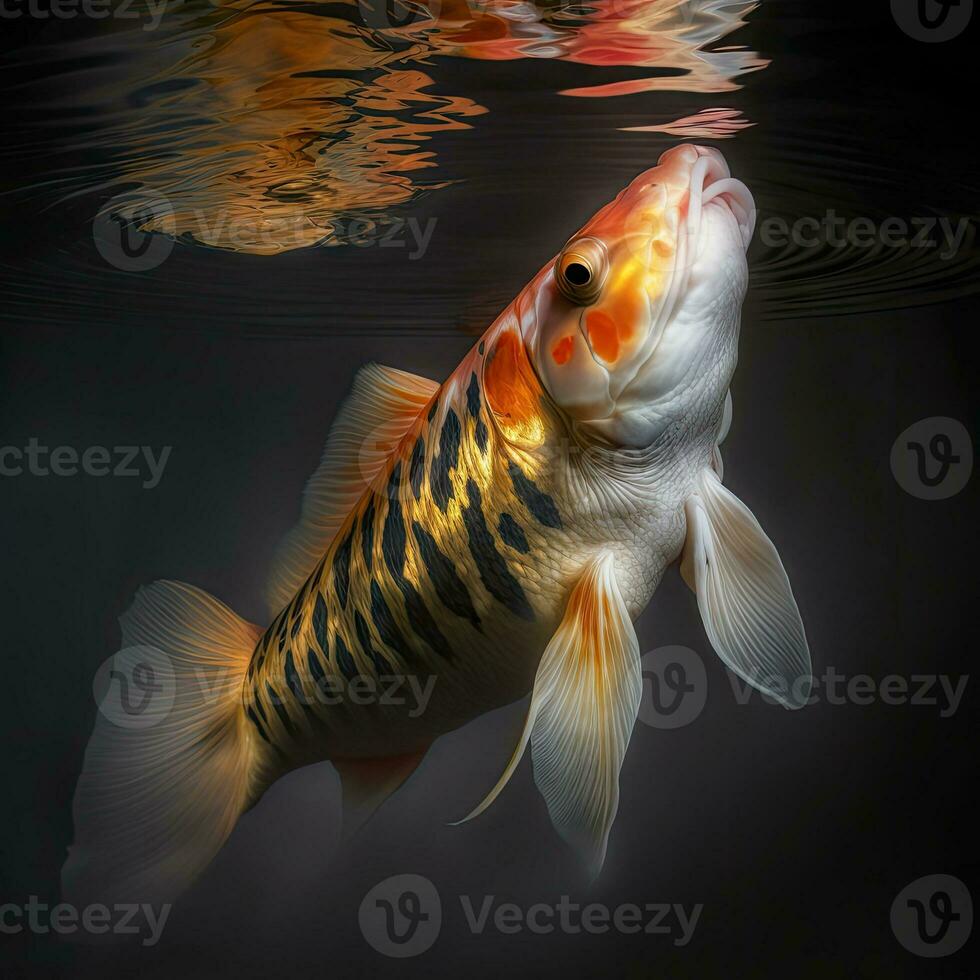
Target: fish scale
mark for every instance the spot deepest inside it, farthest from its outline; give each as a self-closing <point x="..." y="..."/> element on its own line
<point x="429" y="566"/>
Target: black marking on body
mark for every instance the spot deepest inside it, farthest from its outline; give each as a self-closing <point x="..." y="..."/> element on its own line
<point x="391" y="635"/>
<point x="297" y="623"/>
<point x="311" y="585"/>
<point x="446" y="461"/>
<point x="393" y="548"/>
<point x="450" y="588"/>
<point x="260" y="709"/>
<point x="292" y="677"/>
<point x="344" y="659"/>
<point x="295" y="684"/>
<point x="258" y="724"/>
<point x="416" y="467"/>
<point x="512" y="533"/>
<point x="492" y="566"/>
<point x="393" y="535"/>
<point x="367" y="533"/>
<point x="473" y="407"/>
<point x="363" y="635"/>
<point x="541" y="506"/>
<point x="276" y="703"/>
<point x="320" y="623"/>
<point x="364" y="638"/>
<point x="473" y="396"/>
<point x="433" y="407"/>
<point x="423" y="622"/>
<point x="341" y="568"/>
<point x="317" y="673"/>
<point x="482" y="346"/>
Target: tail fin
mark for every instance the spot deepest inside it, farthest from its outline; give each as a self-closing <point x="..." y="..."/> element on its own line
<point x="166" y="776"/>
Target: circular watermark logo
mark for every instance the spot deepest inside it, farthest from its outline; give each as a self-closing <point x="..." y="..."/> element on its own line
<point x="388" y="15"/>
<point x="121" y="236"/>
<point x="932" y="20"/>
<point x="933" y="459"/>
<point x="401" y="916"/>
<point x="675" y="687"/>
<point x="933" y="916"/>
<point x="136" y="687"/>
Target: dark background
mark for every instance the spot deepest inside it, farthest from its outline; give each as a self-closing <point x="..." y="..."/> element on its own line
<point x="796" y="831"/>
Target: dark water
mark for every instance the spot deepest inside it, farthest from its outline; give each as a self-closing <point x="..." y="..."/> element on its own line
<point x="275" y="133"/>
<point x="303" y="190"/>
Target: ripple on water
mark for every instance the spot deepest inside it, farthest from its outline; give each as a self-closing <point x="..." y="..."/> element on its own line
<point x="270" y="126"/>
<point x="846" y="229"/>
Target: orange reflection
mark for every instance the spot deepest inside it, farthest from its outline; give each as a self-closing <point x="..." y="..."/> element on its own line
<point x="284" y="122"/>
<point x="305" y="128"/>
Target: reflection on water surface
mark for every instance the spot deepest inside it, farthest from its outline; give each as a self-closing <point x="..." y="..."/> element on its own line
<point x="270" y="126"/>
<point x="450" y="132"/>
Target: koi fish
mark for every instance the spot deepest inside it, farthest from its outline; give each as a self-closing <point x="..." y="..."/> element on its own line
<point x="495" y="535"/>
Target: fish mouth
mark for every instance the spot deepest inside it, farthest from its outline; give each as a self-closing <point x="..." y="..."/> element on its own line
<point x="711" y="180"/>
<point x="696" y="176"/>
<point x="701" y="178"/>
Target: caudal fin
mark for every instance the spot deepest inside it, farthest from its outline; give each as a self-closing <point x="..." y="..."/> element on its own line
<point x="166" y="771"/>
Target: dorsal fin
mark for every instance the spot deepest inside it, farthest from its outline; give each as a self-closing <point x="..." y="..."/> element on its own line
<point x="380" y="409"/>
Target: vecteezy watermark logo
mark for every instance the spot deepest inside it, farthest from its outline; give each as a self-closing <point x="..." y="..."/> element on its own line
<point x="933" y="916"/>
<point x="151" y="11"/>
<point x="120" y="234"/>
<point x="136" y="687"/>
<point x="675" y="687"/>
<point x="401" y="916"/>
<point x="411" y="691"/>
<point x="932" y="20"/>
<point x="651" y="918"/>
<point x="35" y="459"/>
<point x="933" y="458"/>
<point x="408" y="233"/>
<point x="125" y="919"/>
<point x="939" y="691"/>
<point x="837" y="231"/>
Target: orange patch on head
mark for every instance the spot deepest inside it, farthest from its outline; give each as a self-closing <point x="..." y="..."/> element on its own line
<point x="603" y="335"/>
<point x="562" y="351"/>
<point x="511" y="386"/>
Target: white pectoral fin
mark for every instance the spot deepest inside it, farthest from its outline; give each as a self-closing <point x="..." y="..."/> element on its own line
<point x="744" y="595"/>
<point x="585" y="700"/>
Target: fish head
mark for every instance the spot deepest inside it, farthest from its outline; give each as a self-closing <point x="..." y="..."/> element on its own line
<point x="633" y="326"/>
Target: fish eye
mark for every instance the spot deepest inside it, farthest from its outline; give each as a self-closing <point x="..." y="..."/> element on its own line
<point x="581" y="270"/>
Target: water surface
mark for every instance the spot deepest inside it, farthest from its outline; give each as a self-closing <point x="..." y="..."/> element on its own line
<point x="336" y="166"/>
